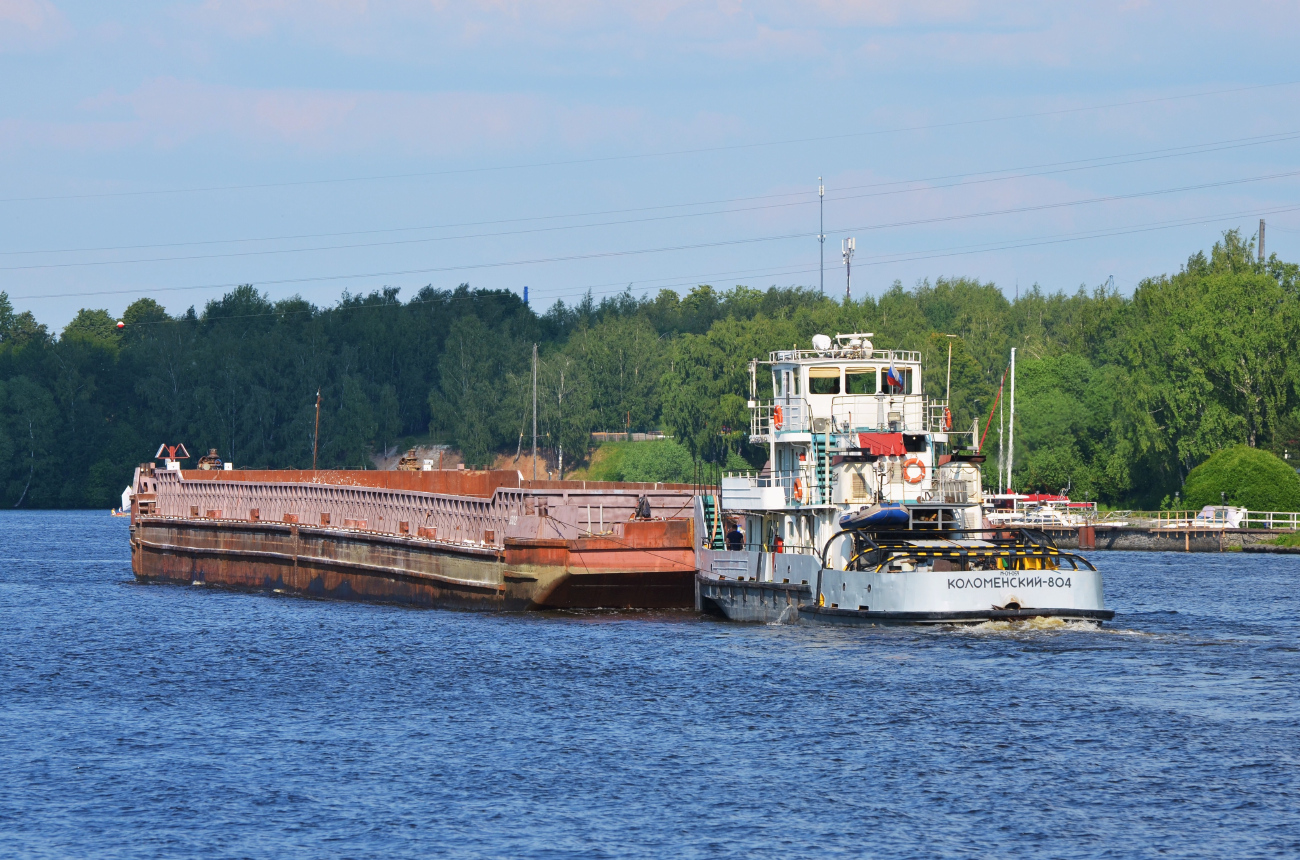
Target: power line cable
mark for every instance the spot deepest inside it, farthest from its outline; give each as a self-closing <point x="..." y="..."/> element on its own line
<point x="599" y="254"/>
<point x="1043" y="169"/>
<point x="937" y="253"/>
<point x="648" y="155"/>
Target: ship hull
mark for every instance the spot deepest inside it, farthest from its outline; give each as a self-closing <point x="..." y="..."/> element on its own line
<point x="916" y="597"/>
<point x="591" y="573"/>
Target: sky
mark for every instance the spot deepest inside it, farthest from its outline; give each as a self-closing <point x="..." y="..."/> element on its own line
<point x="176" y="149"/>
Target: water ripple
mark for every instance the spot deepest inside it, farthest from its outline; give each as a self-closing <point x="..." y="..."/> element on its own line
<point x="164" y="721"/>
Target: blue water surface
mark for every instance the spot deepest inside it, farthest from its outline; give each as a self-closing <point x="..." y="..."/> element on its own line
<point x="142" y="721"/>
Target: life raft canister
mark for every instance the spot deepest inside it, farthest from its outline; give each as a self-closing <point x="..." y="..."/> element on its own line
<point x="778" y="418"/>
<point x="909" y="464"/>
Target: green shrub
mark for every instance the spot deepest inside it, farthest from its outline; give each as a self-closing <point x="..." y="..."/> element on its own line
<point x="656" y="461"/>
<point x="664" y="461"/>
<point x="1250" y="478"/>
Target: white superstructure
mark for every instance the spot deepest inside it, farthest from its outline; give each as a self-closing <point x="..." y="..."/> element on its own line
<point x="824" y="415"/>
<point x="869" y="507"/>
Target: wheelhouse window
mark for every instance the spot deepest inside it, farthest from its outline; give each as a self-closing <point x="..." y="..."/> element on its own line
<point x="776" y="383"/>
<point x="904" y="375"/>
<point x="823" y="380"/>
<point x="859" y="380"/>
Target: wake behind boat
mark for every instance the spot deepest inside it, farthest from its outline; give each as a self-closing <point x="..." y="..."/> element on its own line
<point x="869" y="509"/>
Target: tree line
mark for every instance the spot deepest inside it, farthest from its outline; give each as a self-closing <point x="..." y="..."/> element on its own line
<point x="1118" y="397"/>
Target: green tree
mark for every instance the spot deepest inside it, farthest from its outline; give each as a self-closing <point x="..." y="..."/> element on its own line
<point x="1245" y="477"/>
<point x="31" y="420"/>
<point x="1211" y="356"/>
<point x="351" y="428"/>
<point x="622" y="358"/>
<point x="564" y="410"/>
<point x="93" y="327"/>
<point x="388" y="417"/>
<point x="706" y="386"/>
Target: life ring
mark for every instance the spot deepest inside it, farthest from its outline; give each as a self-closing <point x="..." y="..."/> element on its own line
<point x="778" y="418"/>
<point x="947" y="419"/>
<point x="918" y="464"/>
<point x="798" y="490"/>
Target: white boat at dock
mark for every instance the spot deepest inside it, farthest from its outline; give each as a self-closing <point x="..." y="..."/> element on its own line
<point x="1208" y="517"/>
<point x="1044" y="511"/>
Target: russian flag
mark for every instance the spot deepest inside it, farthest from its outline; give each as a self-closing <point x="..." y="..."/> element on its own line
<point x="893" y="377"/>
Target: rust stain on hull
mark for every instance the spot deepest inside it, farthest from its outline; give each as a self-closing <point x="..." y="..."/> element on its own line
<point x="649" y="565"/>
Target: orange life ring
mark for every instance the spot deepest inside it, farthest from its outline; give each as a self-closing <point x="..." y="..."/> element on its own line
<point x="798" y="490"/>
<point x="778" y="418"/>
<point x="918" y="464"/>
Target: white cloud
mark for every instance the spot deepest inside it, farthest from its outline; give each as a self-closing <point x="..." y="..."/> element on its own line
<point x="951" y="32"/>
<point x="170" y="112"/>
<point x="30" y="24"/>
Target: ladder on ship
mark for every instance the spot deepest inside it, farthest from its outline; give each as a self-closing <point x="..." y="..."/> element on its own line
<point x="821" y="461"/>
<point x="717" y="537"/>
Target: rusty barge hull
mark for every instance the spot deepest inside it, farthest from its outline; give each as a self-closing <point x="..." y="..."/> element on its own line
<point x="392" y="538"/>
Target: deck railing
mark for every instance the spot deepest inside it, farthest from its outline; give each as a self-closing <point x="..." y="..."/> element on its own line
<point x="757" y="480"/>
<point x="899" y="356"/>
<point x="1217" y="518"/>
<point x="795" y="417"/>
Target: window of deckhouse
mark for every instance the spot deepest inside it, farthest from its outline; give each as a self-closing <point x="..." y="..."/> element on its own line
<point x="776" y="383"/>
<point x="859" y="380"/>
<point x="823" y="380"/>
<point x="905" y="374"/>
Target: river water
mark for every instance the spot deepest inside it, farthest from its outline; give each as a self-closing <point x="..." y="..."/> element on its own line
<point x="167" y="721"/>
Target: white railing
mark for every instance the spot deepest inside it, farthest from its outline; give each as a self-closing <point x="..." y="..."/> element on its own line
<point x="795" y="417"/>
<point x="1218" y="517"/>
<point x="934" y="415"/>
<point x="956" y="483"/>
<point x="850" y="412"/>
<point x="898" y="356"/>
<point x="1271" y="520"/>
<point x="872" y="412"/>
<point x="811" y="492"/>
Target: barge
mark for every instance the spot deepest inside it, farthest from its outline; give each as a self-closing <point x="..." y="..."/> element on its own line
<point x="870" y="509"/>
<point x="458" y="539"/>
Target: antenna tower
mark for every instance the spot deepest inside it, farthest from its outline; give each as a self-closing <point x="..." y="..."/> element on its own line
<point x="821" y="230"/>
<point x="847" y="247"/>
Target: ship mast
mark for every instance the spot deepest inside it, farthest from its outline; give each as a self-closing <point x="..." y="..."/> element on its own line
<point x="534" y="412"/>
<point x="1011" y="422"/>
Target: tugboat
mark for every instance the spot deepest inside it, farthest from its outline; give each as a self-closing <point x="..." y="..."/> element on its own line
<point x="869" y="508"/>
